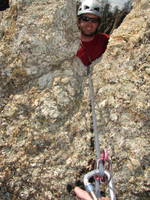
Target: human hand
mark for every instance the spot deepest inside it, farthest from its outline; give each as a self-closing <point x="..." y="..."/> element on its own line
<point x="83" y="195"/>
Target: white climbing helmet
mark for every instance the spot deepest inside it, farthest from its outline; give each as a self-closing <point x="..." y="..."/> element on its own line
<point x="89" y="6"/>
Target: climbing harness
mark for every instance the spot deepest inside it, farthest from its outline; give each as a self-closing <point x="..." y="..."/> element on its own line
<point x="101" y="174"/>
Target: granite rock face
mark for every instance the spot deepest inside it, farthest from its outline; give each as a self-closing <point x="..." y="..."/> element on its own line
<point x="45" y="131"/>
<point x="122" y="86"/>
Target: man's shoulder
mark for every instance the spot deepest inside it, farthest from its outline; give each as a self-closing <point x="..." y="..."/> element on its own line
<point x="103" y="36"/>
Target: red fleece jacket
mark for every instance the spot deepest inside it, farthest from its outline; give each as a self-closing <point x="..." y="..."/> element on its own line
<point x="90" y="51"/>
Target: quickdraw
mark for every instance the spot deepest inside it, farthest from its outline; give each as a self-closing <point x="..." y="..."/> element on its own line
<point x="102" y="173"/>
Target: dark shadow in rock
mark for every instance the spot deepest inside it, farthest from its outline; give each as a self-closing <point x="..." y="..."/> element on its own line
<point x="4" y="4"/>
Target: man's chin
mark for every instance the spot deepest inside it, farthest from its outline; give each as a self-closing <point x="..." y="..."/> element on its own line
<point x="89" y="34"/>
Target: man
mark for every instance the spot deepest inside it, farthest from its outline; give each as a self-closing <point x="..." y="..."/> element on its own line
<point x="93" y="44"/>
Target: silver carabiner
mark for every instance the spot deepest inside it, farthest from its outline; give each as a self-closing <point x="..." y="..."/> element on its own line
<point x="90" y="188"/>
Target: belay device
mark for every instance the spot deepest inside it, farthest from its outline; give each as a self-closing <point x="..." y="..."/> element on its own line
<point x="102" y="173"/>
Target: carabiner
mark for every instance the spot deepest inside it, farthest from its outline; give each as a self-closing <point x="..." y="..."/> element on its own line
<point x="90" y="188"/>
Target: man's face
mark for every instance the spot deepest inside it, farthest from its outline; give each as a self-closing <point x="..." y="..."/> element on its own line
<point x="88" y="24"/>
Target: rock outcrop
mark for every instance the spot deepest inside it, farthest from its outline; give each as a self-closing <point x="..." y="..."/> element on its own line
<point x="45" y="133"/>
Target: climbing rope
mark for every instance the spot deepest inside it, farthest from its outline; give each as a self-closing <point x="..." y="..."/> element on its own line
<point x="96" y="138"/>
<point x="101" y="174"/>
<point x="91" y="96"/>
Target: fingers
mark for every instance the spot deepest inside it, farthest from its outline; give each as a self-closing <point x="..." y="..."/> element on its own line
<point x="83" y="195"/>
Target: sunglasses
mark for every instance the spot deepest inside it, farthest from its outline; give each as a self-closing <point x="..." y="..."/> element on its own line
<point x="89" y="19"/>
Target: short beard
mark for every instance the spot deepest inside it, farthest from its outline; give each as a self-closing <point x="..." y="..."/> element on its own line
<point x="88" y="35"/>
